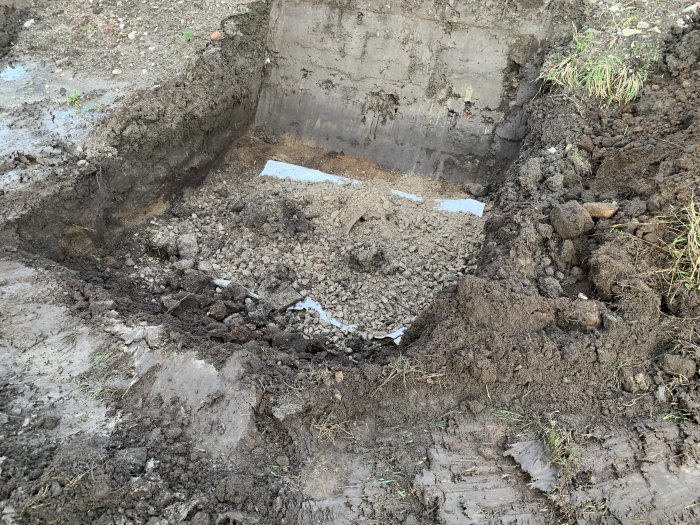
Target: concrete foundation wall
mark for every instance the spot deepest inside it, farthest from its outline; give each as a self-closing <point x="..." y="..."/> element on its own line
<point x="423" y="87"/>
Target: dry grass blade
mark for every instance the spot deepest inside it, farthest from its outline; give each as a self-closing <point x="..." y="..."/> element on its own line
<point x="328" y="429"/>
<point x="408" y="370"/>
<point x="683" y="250"/>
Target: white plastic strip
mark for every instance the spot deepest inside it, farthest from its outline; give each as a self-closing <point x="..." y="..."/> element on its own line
<point x="283" y="170"/>
<point x="223" y="283"/>
<point x="409" y="196"/>
<point x="396" y="335"/>
<point x="310" y="304"/>
<point x="461" y="206"/>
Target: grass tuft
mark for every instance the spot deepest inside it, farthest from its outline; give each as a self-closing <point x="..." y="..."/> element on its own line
<point x="683" y="249"/>
<point x="74" y="99"/>
<point x="562" y="447"/>
<point x="609" y="71"/>
<point x="408" y="370"/>
<point x="328" y="429"/>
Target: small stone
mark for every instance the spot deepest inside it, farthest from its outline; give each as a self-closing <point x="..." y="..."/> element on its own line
<point x="571" y="220"/>
<point x="29" y="23"/>
<point x="205" y="266"/>
<point x="187" y="246"/>
<point x="116" y="71"/>
<point x="654" y="203"/>
<point x="555" y="182"/>
<point x="216" y="35"/>
<point x="530" y="174"/>
<point x="585" y="314"/>
<point x="601" y="210"/>
<point x="132" y="35"/>
<point x="201" y="518"/>
<point x="586" y="144"/>
<point x="218" y="311"/>
<point x="129" y="262"/>
<point x="475" y="189"/>
<point x="550" y="287"/>
<point x="678" y="365"/>
<point x="184" y="264"/>
<point x="635" y="208"/>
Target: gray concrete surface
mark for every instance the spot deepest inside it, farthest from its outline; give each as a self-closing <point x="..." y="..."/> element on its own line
<point x="417" y="86"/>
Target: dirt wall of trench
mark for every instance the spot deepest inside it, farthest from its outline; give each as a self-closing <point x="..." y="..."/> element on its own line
<point x="155" y="144"/>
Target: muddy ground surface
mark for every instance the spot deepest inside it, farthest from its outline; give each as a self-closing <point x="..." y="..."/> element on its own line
<point x="549" y="375"/>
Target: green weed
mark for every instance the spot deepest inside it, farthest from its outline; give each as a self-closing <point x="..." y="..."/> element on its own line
<point x="187" y="35"/>
<point x="507" y="415"/>
<point x="74" y="99"/>
<point x="598" y="67"/>
<point x="560" y="443"/>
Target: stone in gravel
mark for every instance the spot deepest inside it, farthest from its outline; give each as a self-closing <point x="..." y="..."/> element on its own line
<point x="85" y="168"/>
<point x="476" y="190"/>
<point x="234" y="292"/>
<point x="367" y="259"/>
<point x="233" y="320"/>
<point x="187" y="246"/>
<point x="678" y="365"/>
<point x="601" y="210"/>
<point x="194" y="281"/>
<point x="635" y="208"/>
<point x="205" y="266"/>
<point x="281" y="297"/>
<point x="555" y="182"/>
<point x="218" y="311"/>
<point x="571" y="220"/>
<point x="201" y="518"/>
<point x="184" y="264"/>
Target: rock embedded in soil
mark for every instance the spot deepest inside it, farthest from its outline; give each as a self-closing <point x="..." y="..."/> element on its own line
<point x="218" y="311"/>
<point x="476" y="190"/>
<point x="678" y="365"/>
<point x="571" y="220"/>
<point x="601" y="210"/>
<point x="187" y="246"/>
<point x="585" y="314"/>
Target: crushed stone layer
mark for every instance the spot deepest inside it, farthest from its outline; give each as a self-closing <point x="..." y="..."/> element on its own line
<point x="370" y="258"/>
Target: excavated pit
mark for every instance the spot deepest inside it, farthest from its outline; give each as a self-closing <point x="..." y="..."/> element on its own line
<point x="139" y="390"/>
<point x="391" y="95"/>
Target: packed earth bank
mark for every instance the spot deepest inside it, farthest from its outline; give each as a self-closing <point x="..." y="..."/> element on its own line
<point x="549" y="374"/>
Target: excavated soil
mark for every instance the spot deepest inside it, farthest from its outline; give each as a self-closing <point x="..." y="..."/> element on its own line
<point x="549" y="374"/>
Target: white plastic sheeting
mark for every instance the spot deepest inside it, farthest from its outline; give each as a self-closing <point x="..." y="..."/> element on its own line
<point x="286" y="171"/>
